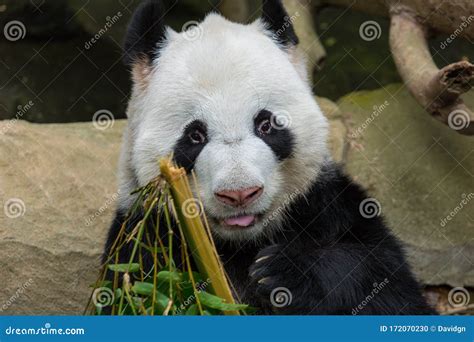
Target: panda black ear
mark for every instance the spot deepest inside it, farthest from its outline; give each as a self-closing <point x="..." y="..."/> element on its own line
<point x="145" y="31"/>
<point x="279" y="22"/>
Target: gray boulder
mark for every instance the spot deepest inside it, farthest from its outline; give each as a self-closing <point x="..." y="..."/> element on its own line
<point x="421" y="172"/>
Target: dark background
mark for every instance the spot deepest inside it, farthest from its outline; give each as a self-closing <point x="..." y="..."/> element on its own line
<point x="69" y="83"/>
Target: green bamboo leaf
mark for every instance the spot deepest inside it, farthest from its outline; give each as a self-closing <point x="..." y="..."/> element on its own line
<point x="193" y="310"/>
<point x="165" y="276"/>
<point x="143" y="288"/>
<point x="146" y="289"/>
<point x="118" y="295"/>
<point x="215" y="302"/>
<point x="130" y="268"/>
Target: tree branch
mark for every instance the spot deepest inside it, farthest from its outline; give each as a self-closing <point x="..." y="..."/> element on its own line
<point x="438" y="91"/>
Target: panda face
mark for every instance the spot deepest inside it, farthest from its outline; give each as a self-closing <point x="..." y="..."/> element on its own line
<point x="233" y="106"/>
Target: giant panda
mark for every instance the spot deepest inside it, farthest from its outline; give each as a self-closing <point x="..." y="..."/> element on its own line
<point x="232" y="103"/>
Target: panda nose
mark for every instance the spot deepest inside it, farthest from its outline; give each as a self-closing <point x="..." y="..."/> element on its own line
<point x="241" y="197"/>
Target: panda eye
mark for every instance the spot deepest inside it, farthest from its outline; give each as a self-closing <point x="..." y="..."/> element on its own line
<point x="264" y="127"/>
<point x="197" y="137"/>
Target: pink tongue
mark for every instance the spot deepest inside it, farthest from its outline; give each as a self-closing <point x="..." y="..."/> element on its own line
<point x="243" y="221"/>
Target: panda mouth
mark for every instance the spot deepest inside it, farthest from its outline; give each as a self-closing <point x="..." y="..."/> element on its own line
<point x="239" y="222"/>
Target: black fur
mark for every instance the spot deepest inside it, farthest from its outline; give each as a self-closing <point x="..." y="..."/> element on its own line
<point x="279" y="22"/>
<point x="145" y="31"/>
<point x="328" y="256"/>
<point x="185" y="152"/>
<point x="280" y="139"/>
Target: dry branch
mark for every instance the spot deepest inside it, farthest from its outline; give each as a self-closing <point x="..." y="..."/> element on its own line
<point x="438" y="91"/>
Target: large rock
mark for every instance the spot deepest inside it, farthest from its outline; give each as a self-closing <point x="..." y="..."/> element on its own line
<point x="57" y="190"/>
<point x="422" y="173"/>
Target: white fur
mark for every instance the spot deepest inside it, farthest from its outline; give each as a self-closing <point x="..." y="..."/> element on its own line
<point x="225" y="78"/>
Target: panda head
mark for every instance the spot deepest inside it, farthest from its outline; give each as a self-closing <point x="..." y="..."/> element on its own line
<point x="231" y="102"/>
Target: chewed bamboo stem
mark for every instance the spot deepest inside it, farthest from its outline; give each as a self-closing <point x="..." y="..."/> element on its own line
<point x="195" y="232"/>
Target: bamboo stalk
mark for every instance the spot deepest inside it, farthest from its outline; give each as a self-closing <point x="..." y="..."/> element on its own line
<point x="199" y="241"/>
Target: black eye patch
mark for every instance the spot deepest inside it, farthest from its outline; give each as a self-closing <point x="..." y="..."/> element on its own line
<point x="186" y="149"/>
<point x="278" y="138"/>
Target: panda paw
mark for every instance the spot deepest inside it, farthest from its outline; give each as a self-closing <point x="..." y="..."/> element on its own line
<point x="276" y="279"/>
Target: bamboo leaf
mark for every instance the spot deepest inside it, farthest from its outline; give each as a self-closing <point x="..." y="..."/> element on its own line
<point x="193" y="310"/>
<point x="146" y="289"/>
<point x="167" y="276"/>
<point x="124" y="268"/>
<point x="218" y="303"/>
